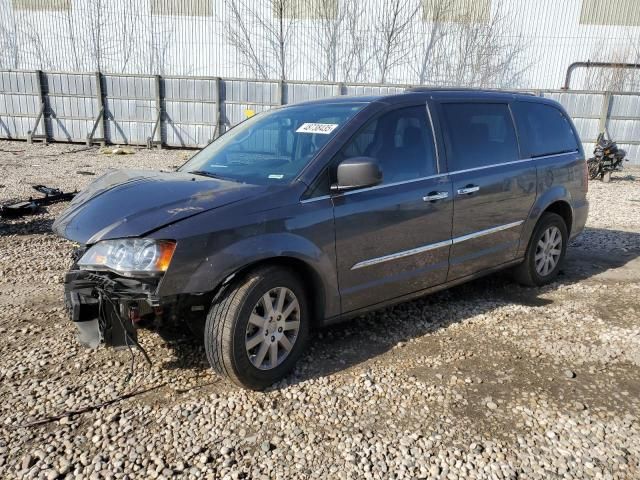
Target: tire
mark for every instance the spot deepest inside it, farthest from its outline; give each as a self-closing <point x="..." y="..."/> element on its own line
<point x="594" y="168"/>
<point x="530" y="272"/>
<point x="228" y="331"/>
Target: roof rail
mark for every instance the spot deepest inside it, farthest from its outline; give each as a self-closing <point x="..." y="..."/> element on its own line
<point x="465" y="89"/>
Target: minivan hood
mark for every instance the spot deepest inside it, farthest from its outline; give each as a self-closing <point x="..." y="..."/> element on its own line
<point x="131" y="203"/>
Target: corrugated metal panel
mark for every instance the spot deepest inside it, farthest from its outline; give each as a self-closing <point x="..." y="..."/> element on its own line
<point x="184" y="37"/>
<point x="305" y="9"/>
<point x="241" y="96"/>
<point x="633" y="153"/>
<point x="197" y="8"/>
<point x="72" y="104"/>
<point x="191" y="111"/>
<point x="130" y="108"/>
<point x="19" y="104"/>
<point x="301" y="92"/>
<point x="373" y="89"/>
<point x="41" y="4"/>
<point x="610" y="12"/>
<point x="460" y="11"/>
<point x="578" y="104"/>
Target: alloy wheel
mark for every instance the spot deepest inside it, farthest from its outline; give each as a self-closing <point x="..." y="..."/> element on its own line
<point x="548" y="251"/>
<point x="273" y="328"/>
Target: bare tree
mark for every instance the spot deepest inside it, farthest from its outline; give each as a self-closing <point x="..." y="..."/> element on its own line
<point x="615" y="78"/>
<point x="341" y="39"/>
<point x="262" y="41"/>
<point x="469" y="45"/>
<point x="34" y="44"/>
<point x="100" y="44"/>
<point x="9" y="43"/>
<point x="426" y="47"/>
<point x="393" y="32"/>
<point x="128" y="27"/>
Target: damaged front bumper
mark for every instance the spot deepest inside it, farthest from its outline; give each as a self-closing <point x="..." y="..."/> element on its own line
<point x="105" y="307"/>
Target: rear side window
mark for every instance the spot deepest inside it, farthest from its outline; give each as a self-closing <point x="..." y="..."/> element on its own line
<point x="543" y="130"/>
<point x="478" y="134"/>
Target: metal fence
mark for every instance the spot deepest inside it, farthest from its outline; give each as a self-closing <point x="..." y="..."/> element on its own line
<point x="191" y="111"/>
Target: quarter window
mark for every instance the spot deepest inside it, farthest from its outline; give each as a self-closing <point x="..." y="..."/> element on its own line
<point x="400" y="141"/>
<point x="543" y="130"/>
<point x="478" y="134"/>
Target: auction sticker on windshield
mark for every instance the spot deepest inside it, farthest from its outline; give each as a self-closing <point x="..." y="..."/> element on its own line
<point x="323" y="128"/>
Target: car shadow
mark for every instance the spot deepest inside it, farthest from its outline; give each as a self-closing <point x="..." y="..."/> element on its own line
<point x="348" y="344"/>
<point x="38" y="223"/>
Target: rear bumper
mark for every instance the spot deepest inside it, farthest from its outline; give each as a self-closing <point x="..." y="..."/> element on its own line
<point x="101" y="307"/>
<point x="580" y="214"/>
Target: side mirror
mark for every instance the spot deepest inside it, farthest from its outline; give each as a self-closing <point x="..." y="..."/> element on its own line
<point x="357" y="172"/>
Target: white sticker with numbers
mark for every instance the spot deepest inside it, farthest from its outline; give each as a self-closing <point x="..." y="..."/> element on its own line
<point x="323" y="128"/>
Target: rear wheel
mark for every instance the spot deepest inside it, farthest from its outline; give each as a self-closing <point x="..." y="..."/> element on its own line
<point x="545" y="252"/>
<point x="257" y="327"/>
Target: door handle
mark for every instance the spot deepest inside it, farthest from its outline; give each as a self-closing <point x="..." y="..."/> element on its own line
<point x="468" y="190"/>
<point x="433" y="196"/>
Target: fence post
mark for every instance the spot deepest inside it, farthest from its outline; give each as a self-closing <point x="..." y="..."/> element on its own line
<point x="42" y="115"/>
<point x="342" y="88"/>
<point x="604" y="113"/>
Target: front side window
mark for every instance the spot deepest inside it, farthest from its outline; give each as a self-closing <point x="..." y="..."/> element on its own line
<point x="400" y="141"/>
<point x="478" y="134"/>
<point x="272" y="147"/>
<point x="543" y="130"/>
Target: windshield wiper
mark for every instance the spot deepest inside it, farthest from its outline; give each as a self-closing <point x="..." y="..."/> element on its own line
<point x="204" y="173"/>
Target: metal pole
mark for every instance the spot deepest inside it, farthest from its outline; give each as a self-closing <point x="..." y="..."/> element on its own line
<point x="101" y="108"/>
<point x="158" y="133"/>
<point x="589" y="64"/>
<point x="219" y="111"/>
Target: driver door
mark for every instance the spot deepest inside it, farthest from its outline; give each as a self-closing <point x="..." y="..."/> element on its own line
<point x="394" y="238"/>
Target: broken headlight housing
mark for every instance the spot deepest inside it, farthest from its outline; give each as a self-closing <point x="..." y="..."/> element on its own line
<point x="129" y="257"/>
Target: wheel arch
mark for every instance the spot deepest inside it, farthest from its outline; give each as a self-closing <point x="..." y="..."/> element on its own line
<point x="556" y="200"/>
<point x="562" y="208"/>
<point x="311" y="280"/>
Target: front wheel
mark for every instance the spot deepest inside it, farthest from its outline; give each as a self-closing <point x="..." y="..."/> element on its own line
<point x="594" y="168"/>
<point x="257" y="327"/>
<point x="545" y="252"/>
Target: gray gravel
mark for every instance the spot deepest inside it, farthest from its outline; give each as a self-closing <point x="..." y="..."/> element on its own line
<point x="486" y="380"/>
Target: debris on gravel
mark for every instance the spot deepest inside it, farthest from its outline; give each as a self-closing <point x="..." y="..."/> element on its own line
<point x="485" y="380"/>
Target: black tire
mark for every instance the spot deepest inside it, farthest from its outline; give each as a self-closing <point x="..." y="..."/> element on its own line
<point x="228" y="319"/>
<point x="526" y="273"/>
<point x="594" y="168"/>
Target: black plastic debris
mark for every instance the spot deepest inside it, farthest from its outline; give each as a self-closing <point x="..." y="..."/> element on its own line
<point x="31" y="206"/>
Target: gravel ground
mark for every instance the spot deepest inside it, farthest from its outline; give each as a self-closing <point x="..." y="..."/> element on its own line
<point x="486" y="380"/>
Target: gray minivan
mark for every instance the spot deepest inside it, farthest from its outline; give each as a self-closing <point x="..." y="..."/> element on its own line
<point x="312" y="213"/>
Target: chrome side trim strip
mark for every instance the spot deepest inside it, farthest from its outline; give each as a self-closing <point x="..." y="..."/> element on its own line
<point x="510" y="163"/>
<point x="433" y="246"/>
<point x="404" y="182"/>
<point x="488" y="231"/>
<point x="315" y="199"/>
<point x="395" y="256"/>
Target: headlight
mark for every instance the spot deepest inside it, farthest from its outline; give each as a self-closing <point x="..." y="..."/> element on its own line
<point x="129" y="256"/>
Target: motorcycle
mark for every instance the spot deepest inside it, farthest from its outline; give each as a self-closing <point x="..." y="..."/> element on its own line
<point x="607" y="158"/>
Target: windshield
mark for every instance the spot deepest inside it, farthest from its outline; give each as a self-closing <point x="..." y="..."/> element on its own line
<point x="274" y="146"/>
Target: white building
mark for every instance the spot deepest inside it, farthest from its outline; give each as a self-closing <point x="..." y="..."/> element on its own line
<point x="493" y="43"/>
